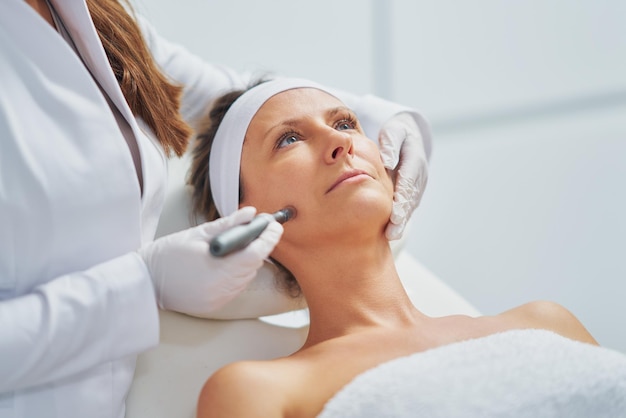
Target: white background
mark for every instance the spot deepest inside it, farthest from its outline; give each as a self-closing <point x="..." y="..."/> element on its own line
<point x="527" y="101"/>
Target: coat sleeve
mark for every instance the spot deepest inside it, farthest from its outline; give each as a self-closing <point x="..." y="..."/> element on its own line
<point x="77" y="321"/>
<point x="374" y="111"/>
<point x="202" y="82"/>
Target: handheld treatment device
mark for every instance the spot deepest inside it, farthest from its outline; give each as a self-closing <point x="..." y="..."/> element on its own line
<point x="239" y="236"/>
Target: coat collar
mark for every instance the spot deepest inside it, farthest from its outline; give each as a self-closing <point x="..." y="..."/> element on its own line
<point x="77" y="19"/>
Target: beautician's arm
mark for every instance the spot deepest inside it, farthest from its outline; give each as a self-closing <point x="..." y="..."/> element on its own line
<point x="204" y="82"/>
<point x="374" y="112"/>
<point x="77" y="321"/>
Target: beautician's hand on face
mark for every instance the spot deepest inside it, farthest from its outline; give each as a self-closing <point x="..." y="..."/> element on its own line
<point x="188" y="279"/>
<point x="402" y="150"/>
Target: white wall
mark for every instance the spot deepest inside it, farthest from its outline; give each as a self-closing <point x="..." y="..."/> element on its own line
<point x="294" y="38"/>
<point x="526" y="198"/>
<point x="527" y="193"/>
<point x="532" y="210"/>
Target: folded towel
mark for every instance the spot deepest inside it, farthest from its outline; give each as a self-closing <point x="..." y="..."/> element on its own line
<point x="521" y="373"/>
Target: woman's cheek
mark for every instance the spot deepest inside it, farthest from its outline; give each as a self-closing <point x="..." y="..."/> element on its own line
<point x="370" y="152"/>
<point x="287" y="183"/>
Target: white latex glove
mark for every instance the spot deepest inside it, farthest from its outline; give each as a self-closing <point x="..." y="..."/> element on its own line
<point x="402" y="150"/>
<point x="188" y="279"/>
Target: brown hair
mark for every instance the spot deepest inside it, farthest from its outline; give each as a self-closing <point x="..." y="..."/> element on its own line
<point x="202" y="199"/>
<point x="150" y="95"/>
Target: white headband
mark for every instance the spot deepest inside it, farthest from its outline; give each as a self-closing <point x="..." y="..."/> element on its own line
<point x="225" y="159"/>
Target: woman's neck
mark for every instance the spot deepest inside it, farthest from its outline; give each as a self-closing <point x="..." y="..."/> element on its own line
<point x="351" y="288"/>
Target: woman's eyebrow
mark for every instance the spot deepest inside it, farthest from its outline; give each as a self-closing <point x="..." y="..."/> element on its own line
<point x="339" y="109"/>
<point x="289" y="122"/>
<point x="330" y="113"/>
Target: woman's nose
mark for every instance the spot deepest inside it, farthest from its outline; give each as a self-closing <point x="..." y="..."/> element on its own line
<point x="339" y="146"/>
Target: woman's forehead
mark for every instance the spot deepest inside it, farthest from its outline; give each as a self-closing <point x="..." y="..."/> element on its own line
<point x="286" y="104"/>
<point x="290" y="108"/>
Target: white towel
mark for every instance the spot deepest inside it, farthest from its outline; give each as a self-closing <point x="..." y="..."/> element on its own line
<point x="521" y="373"/>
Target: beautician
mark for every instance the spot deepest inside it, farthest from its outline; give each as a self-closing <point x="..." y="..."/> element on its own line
<point x="87" y="122"/>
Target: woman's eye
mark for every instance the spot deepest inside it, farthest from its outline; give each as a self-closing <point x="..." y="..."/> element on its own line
<point x="344" y="125"/>
<point x="286" y="140"/>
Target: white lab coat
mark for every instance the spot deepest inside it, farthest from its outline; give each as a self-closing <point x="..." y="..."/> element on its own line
<point x="76" y="301"/>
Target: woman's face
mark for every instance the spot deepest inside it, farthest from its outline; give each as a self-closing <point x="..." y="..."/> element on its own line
<point x="306" y="149"/>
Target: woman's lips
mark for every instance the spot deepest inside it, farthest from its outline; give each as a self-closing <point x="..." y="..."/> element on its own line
<point x="345" y="176"/>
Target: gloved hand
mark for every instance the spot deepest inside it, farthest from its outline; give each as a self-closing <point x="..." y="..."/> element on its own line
<point x="403" y="151"/>
<point x="188" y="279"/>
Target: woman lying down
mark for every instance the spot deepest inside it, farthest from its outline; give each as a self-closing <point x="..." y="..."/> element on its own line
<point x="369" y="351"/>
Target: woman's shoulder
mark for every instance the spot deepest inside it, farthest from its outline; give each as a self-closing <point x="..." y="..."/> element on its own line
<point x="547" y="315"/>
<point x="241" y="387"/>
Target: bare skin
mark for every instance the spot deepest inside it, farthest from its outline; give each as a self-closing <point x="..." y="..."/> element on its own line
<point x="360" y="314"/>
<point x="301" y="384"/>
